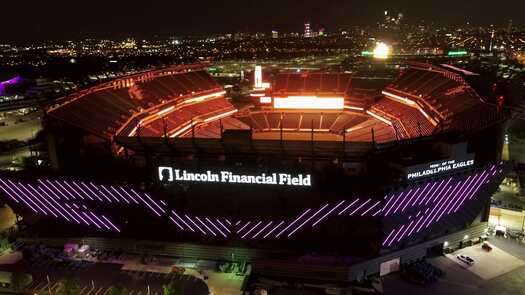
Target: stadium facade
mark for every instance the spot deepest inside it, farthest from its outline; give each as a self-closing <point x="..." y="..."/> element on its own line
<point x="310" y="175"/>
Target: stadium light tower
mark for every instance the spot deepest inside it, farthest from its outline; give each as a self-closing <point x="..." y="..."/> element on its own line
<point x="258" y="77"/>
<point x="381" y="51"/>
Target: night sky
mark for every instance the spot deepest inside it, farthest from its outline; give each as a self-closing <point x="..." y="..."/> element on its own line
<point x="26" y="20"/>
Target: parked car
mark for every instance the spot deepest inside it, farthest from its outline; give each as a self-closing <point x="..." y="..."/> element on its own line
<point x="466" y="259"/>
<point x="486" y="246"/>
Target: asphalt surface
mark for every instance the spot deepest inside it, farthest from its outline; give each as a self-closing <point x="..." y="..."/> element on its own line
<point x="97" y="278"/>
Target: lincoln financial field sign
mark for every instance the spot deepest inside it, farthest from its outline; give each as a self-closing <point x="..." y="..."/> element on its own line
<point x="168" y="174"/>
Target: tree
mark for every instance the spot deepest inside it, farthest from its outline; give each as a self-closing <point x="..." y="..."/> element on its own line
<point x="172" y="289"/>
<point x="19" y="281"/>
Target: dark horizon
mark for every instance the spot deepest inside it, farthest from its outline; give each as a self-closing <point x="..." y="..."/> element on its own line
<point x="26" y="20"/>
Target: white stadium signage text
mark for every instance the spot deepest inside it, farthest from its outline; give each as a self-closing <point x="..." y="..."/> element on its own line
<point x="437" y="168"/>
<point x="168" y="174"/>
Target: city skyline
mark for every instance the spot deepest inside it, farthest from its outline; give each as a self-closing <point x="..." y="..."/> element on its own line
<point x="59" y="20"/>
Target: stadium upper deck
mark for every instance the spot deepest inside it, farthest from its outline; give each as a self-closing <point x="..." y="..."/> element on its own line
<point x="185" y="101"/>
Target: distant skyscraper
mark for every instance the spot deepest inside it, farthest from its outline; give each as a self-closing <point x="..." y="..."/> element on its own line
<point x="307" y="30"/>
<point x="275" y="34"/>
<point x="509" y="26"/>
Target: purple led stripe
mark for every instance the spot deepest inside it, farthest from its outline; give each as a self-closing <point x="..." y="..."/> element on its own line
<point x="439" y="192"/>
<point x="416" y="202"/>
<point x="228" y="222"/>
<point x="308" y="220"/>
<point x="225" y="228"/>
<point x="293" y="222"/>
<point x="194" y="224"/>
<point x="411" y="198"/>
<point x="78" y="215"/>
<point x="434" y="192"/>
<point x="146" y="203"/>
<point x="270" y="232"/>
<point x="38" y="200"/>
<point x="478" y="185"/>
<point x="248" y="232"/>
<point x="92" y="192"/>
<point x="405" y="231"/>
<point x="328" y="213"/>
<point x="64" y="189"/>
<point x="416" y="193"/>
<point x="83" y="191"/>
<point x="469" y="188"/>
<point x="9" y="194"/>
<point x="426" y="193"/>
<point x="465" y="185"/>
<point x="214" y="226"/>
<point x="395" y="236"/>
<point x="399" y="197"/>
<point x="473" y="192"/>
<point x="388" y="237"/>
<point x="26" y="197"/>
<point x="243" y="227"/>
<point x="174" y="221"/>
<point x="119" y="194"/>
<point x="237" y="223"/>
<point x="98" y="219"/>
<point x="390" y="198"/>
<point x="73" y="190"/>
<point x="182" y="220"/>
<point x="155" y="203"/>
<point x="433" y="209"/>
<point x="358" y="208"/>
<point x="93" y="221"/>
<point x="56" y="189"/>
<point x="110" y="193"/>
<point x="98" y="192"/>
<point x="263" y="229"/>
<point x="443" y="200"/>
<point x="51" y="191"/>
<point x="205" y="226"/>
<point x="127" y="194"/>
<point x="402" y="200"/>
<point x="111" y="223"/>
<point x="418" y="222"/>
<point x="369" y="209"/>
<point x="58" y="204"/>
<point x="377" y="212"/>
<point x="453" y="197"/>
<point x="347" y="207"/>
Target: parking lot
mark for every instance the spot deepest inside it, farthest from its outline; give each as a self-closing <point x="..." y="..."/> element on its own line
<point x="97" y="278"/>
<point x="459" y="280"/>
<point x="488" y="264"/>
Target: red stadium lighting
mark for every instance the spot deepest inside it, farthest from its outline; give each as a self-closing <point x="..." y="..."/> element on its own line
<point x="379" y="118"/>
<point x="309" y="102"/>
<point x="354" y="108"/>
<point x="400" y="98"/>
<point x="204" y="97"/>
<point x="220" y="116"/>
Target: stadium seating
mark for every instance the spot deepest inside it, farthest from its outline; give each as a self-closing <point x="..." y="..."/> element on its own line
<point x="106" y="109"/>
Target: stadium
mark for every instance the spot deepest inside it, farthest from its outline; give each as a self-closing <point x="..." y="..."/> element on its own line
<point x="310" y="177"/>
